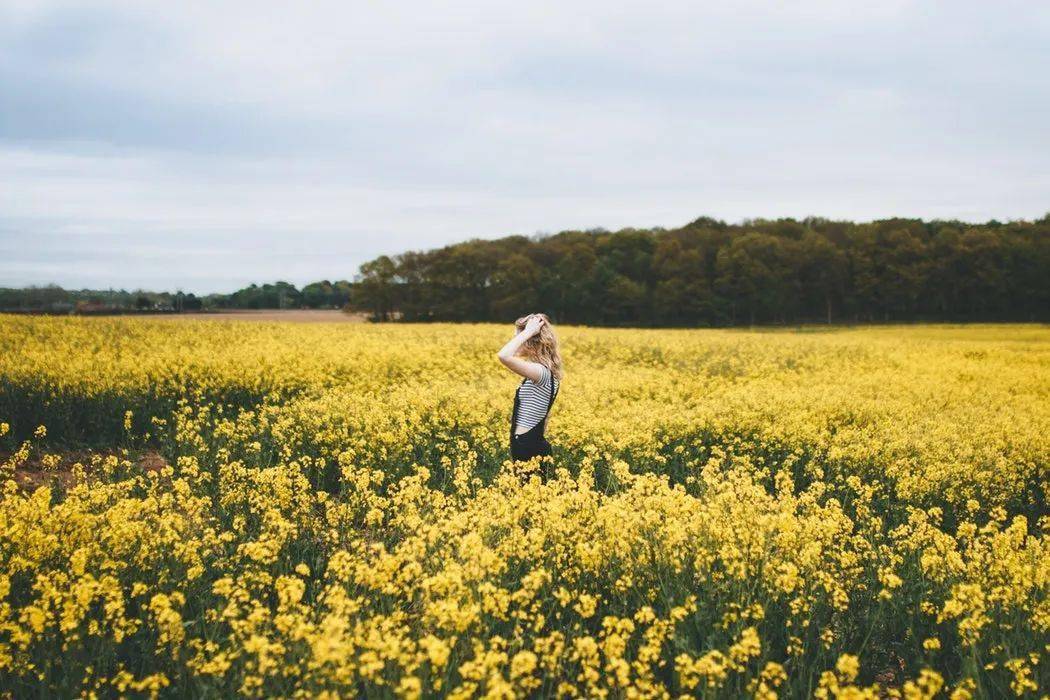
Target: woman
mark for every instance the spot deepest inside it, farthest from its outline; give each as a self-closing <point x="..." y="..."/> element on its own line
<point x="532" y="353"/>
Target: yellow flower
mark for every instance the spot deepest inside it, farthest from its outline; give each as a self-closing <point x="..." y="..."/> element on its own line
<point x="738" y="503"/>
<point x="848" y="667"/>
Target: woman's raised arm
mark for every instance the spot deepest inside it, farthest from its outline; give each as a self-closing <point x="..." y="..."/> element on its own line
<point x="508" y="353"/>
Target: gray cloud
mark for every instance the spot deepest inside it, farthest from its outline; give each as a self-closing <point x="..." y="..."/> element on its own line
<point x="206" y="145"/>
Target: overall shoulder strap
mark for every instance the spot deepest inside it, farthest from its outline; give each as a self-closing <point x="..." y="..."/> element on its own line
<point x="550" y="402"/>
<point x="517" y="404"/>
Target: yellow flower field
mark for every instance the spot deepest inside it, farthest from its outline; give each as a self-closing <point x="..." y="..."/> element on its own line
<point x="817" y="513"/>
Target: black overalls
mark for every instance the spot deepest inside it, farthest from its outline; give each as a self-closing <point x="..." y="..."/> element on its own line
<point x="532" y="442"/>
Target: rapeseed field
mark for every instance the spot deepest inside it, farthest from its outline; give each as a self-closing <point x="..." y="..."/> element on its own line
<point x="830" y="513"/>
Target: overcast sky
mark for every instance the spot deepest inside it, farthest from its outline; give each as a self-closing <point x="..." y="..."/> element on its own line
<point x="206" y="145"/>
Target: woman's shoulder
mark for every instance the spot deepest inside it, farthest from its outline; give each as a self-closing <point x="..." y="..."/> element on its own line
<point x="546" y="376"/>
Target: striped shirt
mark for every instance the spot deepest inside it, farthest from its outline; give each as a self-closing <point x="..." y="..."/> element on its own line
<point x="533" y="399"/>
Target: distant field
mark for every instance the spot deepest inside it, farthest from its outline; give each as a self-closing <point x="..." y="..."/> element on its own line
<point x="293" y="315"/>
<point x="327" y="510"/>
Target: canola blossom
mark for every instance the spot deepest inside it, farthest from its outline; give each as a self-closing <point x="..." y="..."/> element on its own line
<point x="831" y="513"/>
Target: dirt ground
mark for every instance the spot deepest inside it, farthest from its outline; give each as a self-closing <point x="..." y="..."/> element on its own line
<point x="33" y="473"/>
<point x="294" y="315"/>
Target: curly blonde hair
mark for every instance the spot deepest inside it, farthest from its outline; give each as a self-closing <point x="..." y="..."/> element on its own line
<point x="542" y="347"/>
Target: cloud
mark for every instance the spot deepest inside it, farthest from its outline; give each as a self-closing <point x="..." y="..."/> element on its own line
<point x="211" y="144"/>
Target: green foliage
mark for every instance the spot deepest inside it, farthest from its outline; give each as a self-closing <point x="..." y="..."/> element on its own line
<point x="280" y="295"/>
<point x="712" y="273"/>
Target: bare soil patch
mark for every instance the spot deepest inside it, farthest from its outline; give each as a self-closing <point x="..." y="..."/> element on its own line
<point x="34" y="473"/>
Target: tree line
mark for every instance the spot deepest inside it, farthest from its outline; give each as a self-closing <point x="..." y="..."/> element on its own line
<point x="283" y="295"/>
<point x="279" y="295"/>
<point x="709" y="272"/>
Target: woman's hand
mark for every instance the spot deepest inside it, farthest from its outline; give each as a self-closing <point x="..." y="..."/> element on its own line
<point x="533" y="325"/>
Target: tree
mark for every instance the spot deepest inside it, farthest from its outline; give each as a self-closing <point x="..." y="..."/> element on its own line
<point x="822" y="273"/>
<point x="754" y="275"/>
<point x="375" y="290"/>
<point x="890" y="266"/>
<point x="682" y="294"/>
<point x="318" y="295"/>
<point x="514" y="288"/>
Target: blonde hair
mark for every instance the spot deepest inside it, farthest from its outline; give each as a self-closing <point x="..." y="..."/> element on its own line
<point x="542" y="347"/>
